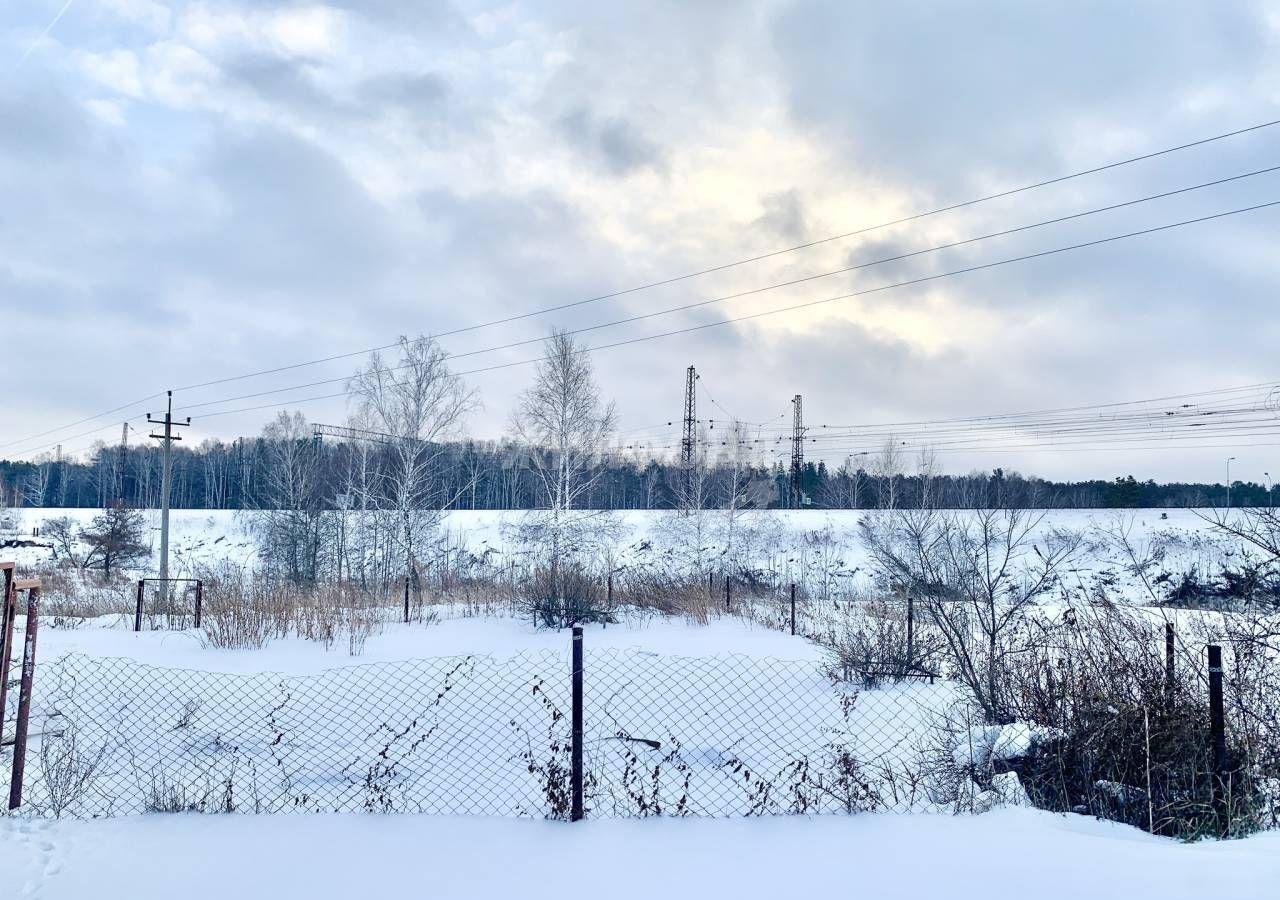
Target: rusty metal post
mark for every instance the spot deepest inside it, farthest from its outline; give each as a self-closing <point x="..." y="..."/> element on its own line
<point x="575" y="775"/>
<point x="199" y="600"/>
<point x="793" y="609"/>
<point x="9" y="607"/>
<point x="24" y="695"/>
<point x="137" y="614"/>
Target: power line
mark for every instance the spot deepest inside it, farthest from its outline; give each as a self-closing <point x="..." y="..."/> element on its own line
<point x="108" y="412"/>
<point x="752" y="259"/>
<point x="808" y="304"/>
<point x="714" y="300"/>
<point x="1064" y="409"/>
<point x="694" y="274"/>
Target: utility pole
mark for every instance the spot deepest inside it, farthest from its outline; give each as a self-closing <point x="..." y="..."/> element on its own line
<point x="689" y="443"/>
<point x="1229" y="458"/>
<point x="166" y="480"/>
<point x="797" y="451"/>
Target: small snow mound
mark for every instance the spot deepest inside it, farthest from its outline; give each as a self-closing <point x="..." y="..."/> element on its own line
<point x="983" y="745"/>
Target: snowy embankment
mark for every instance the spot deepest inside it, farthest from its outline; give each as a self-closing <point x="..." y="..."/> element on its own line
<point x="812" y="546"/>
<point x="1008" y="853"/>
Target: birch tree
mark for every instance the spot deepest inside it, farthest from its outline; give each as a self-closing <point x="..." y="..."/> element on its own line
<point x="417" y="404"/>
<point x="565" y="425"/>
<point x="290" y="528"/>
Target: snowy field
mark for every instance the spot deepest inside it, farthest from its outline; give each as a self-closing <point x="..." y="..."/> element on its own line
<point x="822" y="549"/>
<point x="1004" y="854"/>
<point x="167" y="701"/>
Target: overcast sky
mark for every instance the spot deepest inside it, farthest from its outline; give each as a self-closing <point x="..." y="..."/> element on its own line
<point x="190" y="191"/>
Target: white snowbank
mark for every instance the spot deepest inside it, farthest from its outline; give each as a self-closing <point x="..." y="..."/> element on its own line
<point x="1009" y="853"/>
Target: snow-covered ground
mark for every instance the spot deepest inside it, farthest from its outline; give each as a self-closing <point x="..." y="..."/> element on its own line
<point x="497" y="637"/>
<point x="1004" y="854"/>
<point x="819" y="549"/>
<point x="648" y="663"/>
<point x="295" y="726"/>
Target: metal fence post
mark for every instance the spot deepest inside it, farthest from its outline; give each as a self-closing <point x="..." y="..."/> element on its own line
<point x="24" y="697"/>
<point x="727" y="601"/>
<point x="1218" y="735"/>
<point x="793" y="609"/>
<point x="9" y="609"/>
<point x="911" y="632"/>
<point x="406" y="599"/>
<point x="1168" y="658"/>
<point x="199" y="600"/>
<point x="575" y="813"/>
<point x="137" y="615"/>
<point x="609" y="603"/>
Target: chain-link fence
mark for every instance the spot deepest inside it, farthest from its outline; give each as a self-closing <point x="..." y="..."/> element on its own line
<point x="657" y="735"/>
<point x="662" y="735"/>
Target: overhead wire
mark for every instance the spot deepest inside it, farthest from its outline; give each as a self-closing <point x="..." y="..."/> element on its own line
<point x="711" y="269"/>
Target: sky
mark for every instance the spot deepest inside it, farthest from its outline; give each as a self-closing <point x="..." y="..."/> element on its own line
<point x="194" y="191"/>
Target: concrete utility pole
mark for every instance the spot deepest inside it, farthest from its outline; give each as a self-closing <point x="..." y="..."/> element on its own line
<point x="166" y="480"/>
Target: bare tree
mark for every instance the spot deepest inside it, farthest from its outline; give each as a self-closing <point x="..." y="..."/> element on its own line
<point x="36" y="484"/>
<point x="737" y="482"/>
<point x="566" y="426"/>
<point x="115" y="539"/>
<point x="289" y="528"/>
<point x="975" y="574"/>
<point x="61" y="532"/>
<point x="417" y="404"/>
<point x="886" y="468"/>
<point x="844" y="489"/>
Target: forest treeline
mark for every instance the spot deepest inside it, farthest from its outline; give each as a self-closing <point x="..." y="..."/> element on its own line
<point x="475" y="474"/>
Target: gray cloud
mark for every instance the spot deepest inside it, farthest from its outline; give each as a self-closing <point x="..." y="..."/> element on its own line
<point x="951" y="96"/>
<point x="784" y="215"/>
<point x="613" y="143"/>
<point x="449" y="167"/>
